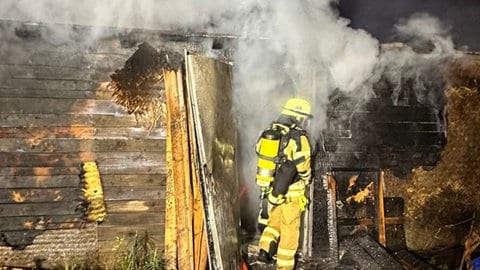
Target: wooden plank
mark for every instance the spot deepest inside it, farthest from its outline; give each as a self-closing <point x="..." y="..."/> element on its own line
<point x="127" y="159"/>
<point x="407" y="127"/>
<point x="105" y="169"/>
<point x="39" y="181"/>
<point x="99" y="93"/>
<point x="68" y="85"/>
<point x="132" y="206"/>
<point x="133" y="193"/>
<point x="40" y="222"/>
<point x="67" y="120"/>
<point x="111" y="232"/>
<point x="39" y="195"/>
<point x="132" y="219"/>
<point x="170" y="207"/>
<point x="46" y="93"/>
<point x="366" y="253"/>
<point x="71" y="57"/>
<point x="38" y="209"/>
<point x="39" y="171"/>
<point x="382" y="239"/>
<point x="134" y="168"/>
<point x="411" y="261"/>
<point x="134" y="180"/>
<point x="181" y="167"/>
<point x="50" y="72"/>
<point x="58" y="106"/>
<point x="34" y="135"/>
<point x="390" y="114"/>
<point x="158" y="133"/>
<point x="80" y="145"/>
<point x="67" y="57"/>
<point x="368" y="221"/>
<point x="199" y="231"/>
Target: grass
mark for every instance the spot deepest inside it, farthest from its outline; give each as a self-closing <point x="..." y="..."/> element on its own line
<point x="140" y="253"/>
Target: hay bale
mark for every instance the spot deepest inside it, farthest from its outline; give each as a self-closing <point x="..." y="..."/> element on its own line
<point x="439" y="200"/>
<point x="465" y="72"/>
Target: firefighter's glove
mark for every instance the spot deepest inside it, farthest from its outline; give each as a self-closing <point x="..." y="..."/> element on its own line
<point x="307" y="181"/>
<point x="264" y="191"/>
<point x="276" y="200"/>
<point x="303" y="202"/>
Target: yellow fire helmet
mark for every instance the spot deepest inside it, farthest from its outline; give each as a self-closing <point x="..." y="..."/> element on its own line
<point x="298" y="108"/>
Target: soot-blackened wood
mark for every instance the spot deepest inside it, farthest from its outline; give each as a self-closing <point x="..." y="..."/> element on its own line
<point x="57" y="84"/>
<point x="55" y="112"/>
<point x="53" y="159"/>
<point x="111" y="232"/>
<point x="50" y="72"/>
<point x="105" y="169"/>
<point x="150" y="180"/>
<point x="135" y="218"/>
<point x="133" y="193"/>
<point x="61" y="208"/>
<point x="39" y="195"/>
<point x="131" y="206"/>
<point x="38" y="181"/>
<point x="39" y="222"/>
<point x="36" y="134"/>
<point x="68" y="145"/>
<point x="59" y="106"/>
<point x="45" y="93"/>
<point x="67" y="120"/>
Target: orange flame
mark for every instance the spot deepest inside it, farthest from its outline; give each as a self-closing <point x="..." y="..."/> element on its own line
<point x="362" y="195"/>
<point x="17" y="197"/>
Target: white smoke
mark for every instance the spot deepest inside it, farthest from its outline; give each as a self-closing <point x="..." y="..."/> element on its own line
<point x="149" y="14"/>
<point x="419" y="62"/>
<point x="305" y="50"/>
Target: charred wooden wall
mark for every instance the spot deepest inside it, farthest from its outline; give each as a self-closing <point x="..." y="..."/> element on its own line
<point x="55" y="112"/>
<point x="392" y="131"/>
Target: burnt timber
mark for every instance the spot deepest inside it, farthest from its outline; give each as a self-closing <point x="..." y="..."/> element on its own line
<point x="391" y="131"/>
<point x="56" y="112"/>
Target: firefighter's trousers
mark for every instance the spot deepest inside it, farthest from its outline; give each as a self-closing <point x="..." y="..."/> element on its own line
<point x="283" y="224"/>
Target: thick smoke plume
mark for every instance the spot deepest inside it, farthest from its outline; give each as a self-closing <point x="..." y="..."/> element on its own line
<point x="305" y="50"/>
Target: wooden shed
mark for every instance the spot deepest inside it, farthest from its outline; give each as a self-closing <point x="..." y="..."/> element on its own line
<point x="58" y="111"/>
<point x="55" y="113"/>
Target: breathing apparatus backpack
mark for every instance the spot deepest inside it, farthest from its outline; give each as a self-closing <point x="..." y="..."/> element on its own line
<point x="268" y="148"/>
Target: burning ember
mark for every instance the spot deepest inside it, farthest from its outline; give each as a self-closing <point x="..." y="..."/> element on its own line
<point x="363" y="195"/>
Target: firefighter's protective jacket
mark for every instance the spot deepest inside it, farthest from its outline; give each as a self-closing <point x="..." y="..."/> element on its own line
<point x="287" y="194"/>
<point x="293" y="171"/>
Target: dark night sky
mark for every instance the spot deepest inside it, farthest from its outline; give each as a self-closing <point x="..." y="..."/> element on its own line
<point x="378" y="17"/>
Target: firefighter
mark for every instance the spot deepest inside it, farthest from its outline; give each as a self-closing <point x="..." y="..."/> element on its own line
<point x="283" y="182"/>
